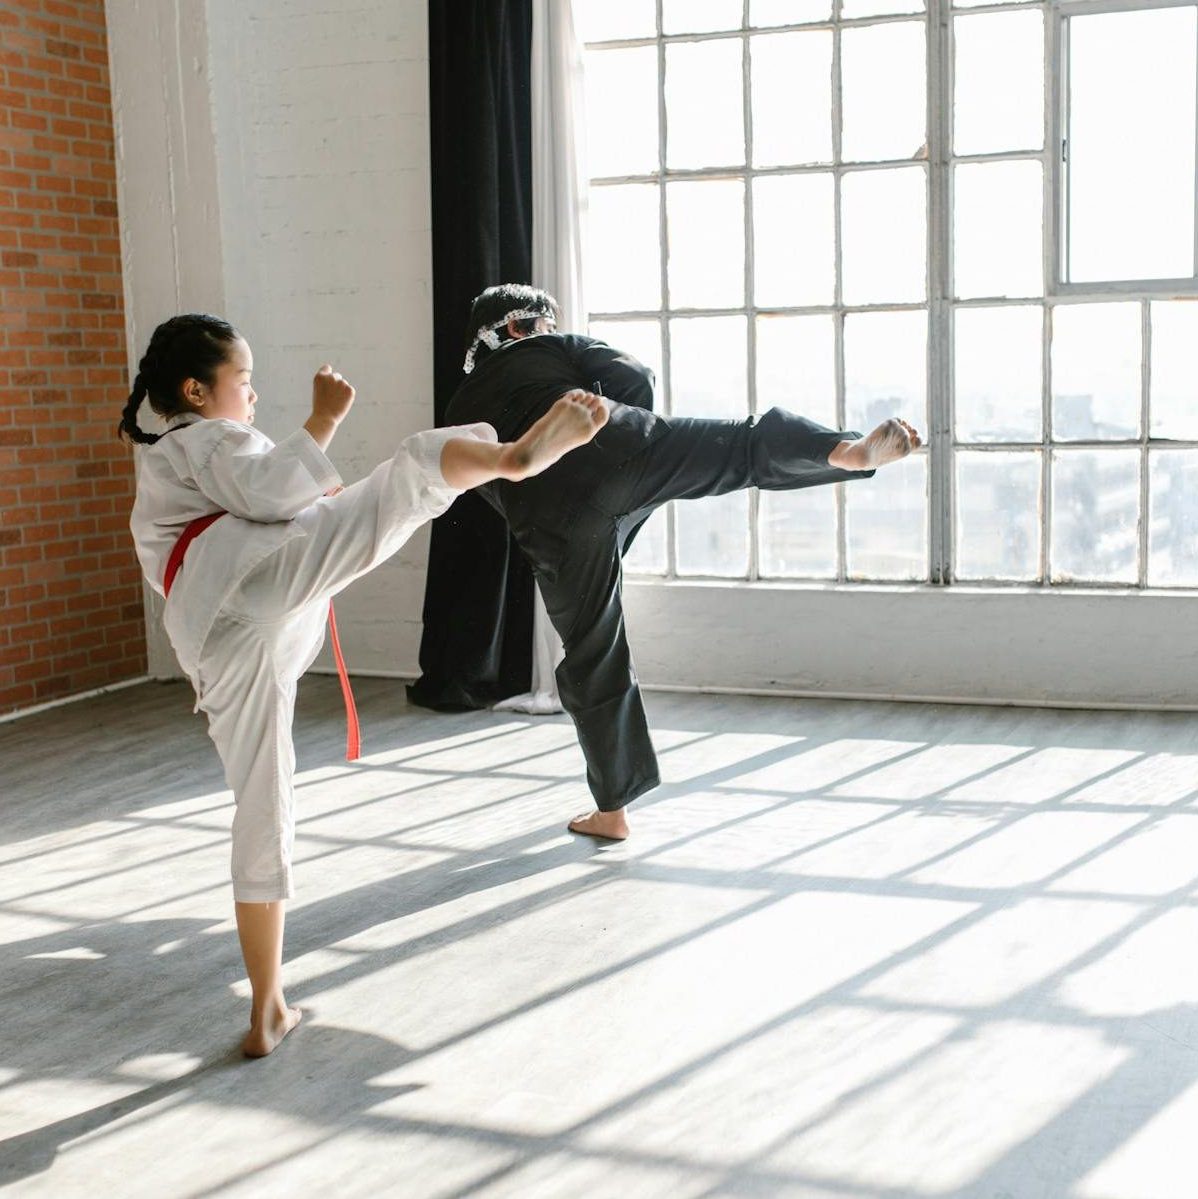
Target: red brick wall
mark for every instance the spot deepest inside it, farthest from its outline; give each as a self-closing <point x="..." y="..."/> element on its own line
<point x="70" y="592"/>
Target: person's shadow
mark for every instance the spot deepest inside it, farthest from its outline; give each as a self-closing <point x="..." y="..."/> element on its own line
<point x="288" y="1082"/>
<point x="100" y="979"/>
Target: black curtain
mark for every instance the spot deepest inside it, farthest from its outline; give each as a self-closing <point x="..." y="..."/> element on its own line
<point x="477" y="642"/>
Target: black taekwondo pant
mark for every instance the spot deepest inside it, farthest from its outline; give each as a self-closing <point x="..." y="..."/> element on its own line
<point x="575" y="551"/>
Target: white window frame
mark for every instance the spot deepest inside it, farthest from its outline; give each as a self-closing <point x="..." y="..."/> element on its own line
<point x="1057" y="233"/>
<point x="941" y="303"/>
<point x="748" y="172"/>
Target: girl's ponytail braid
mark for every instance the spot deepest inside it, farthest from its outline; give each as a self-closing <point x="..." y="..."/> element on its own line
<point x="129" y="427"/>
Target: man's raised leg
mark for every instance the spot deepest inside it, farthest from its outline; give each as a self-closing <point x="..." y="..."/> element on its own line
<point x="778" y="451"/>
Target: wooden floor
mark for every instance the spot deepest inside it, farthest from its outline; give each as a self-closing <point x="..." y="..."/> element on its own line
<point x="852" y="951"/>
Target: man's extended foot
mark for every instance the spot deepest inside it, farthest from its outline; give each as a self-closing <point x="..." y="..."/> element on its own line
<point x="891" y="440"/>
<point x="268" y="1030"/>
<point x="611" y="826"/>
<point x="572" y="421"/>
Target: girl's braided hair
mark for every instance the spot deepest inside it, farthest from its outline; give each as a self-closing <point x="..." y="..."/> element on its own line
<point x="190" y="346"/>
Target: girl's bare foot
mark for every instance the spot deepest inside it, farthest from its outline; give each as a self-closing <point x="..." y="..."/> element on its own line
<point x="572" y="421"/>
<point x="891" y="440"/>
<point x="267" y="1030"/>
<point x="611" y="826"/>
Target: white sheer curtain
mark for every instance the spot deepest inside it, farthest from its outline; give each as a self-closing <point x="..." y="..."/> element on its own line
<point x="558" y="204"/>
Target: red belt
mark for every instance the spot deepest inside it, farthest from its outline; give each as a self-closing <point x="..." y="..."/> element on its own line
<point x="353" y="736"/>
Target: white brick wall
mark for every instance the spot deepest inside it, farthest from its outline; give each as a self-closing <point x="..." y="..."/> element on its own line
<point x="315" y="235"/>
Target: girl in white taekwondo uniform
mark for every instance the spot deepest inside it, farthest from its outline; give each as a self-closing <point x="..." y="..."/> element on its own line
<point x="246" y="614"/>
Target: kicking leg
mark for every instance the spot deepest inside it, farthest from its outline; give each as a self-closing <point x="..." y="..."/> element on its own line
<point x="350" y="533"/>
<point x="778" y="451"/>
<point x="891" y="440"/>
<point x="572" y="421"/>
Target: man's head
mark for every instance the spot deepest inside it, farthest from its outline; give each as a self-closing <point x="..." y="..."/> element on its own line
<point x="504" y="312"/>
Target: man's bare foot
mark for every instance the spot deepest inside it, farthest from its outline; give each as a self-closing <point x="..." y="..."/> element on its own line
<point x="267" y="1031"/>
<point x="891" y="440"/>
<point x="572" y="421"/>
<point x="611" y="826"/>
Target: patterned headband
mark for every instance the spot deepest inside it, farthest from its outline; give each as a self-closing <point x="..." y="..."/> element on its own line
<point x="488" y="337"/>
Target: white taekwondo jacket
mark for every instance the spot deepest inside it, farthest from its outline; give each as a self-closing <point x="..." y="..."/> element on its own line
<point x="212" y="465"/>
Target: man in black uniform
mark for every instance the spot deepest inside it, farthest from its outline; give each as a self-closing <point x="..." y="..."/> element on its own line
<point x="575" y="521"/>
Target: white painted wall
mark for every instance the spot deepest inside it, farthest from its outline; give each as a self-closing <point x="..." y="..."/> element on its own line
<point x="273" y="167"/>
<point x="1071" y="648"/>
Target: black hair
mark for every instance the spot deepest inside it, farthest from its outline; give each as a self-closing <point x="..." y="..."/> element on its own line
<point x="496" y="302"/>
<point x="190" y="346"/>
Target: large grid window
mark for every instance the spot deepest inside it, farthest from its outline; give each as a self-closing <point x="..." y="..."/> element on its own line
<point x="861" y="208"/>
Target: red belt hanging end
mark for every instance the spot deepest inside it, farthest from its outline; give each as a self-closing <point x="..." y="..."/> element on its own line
<point x="353" y="735"/>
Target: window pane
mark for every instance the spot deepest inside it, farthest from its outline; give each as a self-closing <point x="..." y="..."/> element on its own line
<point x="709" y="367"/>
<point x="878" y="8"/>
<point x="787" y="12"/>
<point x="887" y="522"/>
<point x="794" y="238"/>
<point x="997" y="229"/>
<point x="796" y="366"/>
<point x="648" y="554"/>
<point x="885" y="368"/>
<point x="998" y="363"/>
<point x="704" y="104"/>
<point x="1095" y="502"/>
<point x="700" y="16"/>
<point x="797" y="531"/>
<point x="884" y="231"/>
<point x="1130" y="165"/>
<point x="1173" y="524"/>
<point x="792" y="98"/>
<point x="712" y="535"/>
<point x="623" y="252"/>
<point x="1095" y="371"/>
<point x="606" y="20"/>
<point x="641" y="339"/>
<point x="998" y="516"/>
<point x="884" y="88"/>
<point x="999" y="82"/>
<point x="621" y="88"/>
<point x="1175" y="371"/>
<point x="707" y="243"/>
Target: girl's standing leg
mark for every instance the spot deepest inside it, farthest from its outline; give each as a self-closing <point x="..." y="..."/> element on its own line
<point x="248" y="674"/>
<point x="260" y="931"/>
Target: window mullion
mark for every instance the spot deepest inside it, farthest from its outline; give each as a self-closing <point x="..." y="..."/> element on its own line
<point x="940" y="378"/>
<point x="1145" y="392"/>
<point x="842" y="537"/>
<point x="663" y="243"/>
<point x="750" y="285"/>
<point x="1055" y="245"/>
